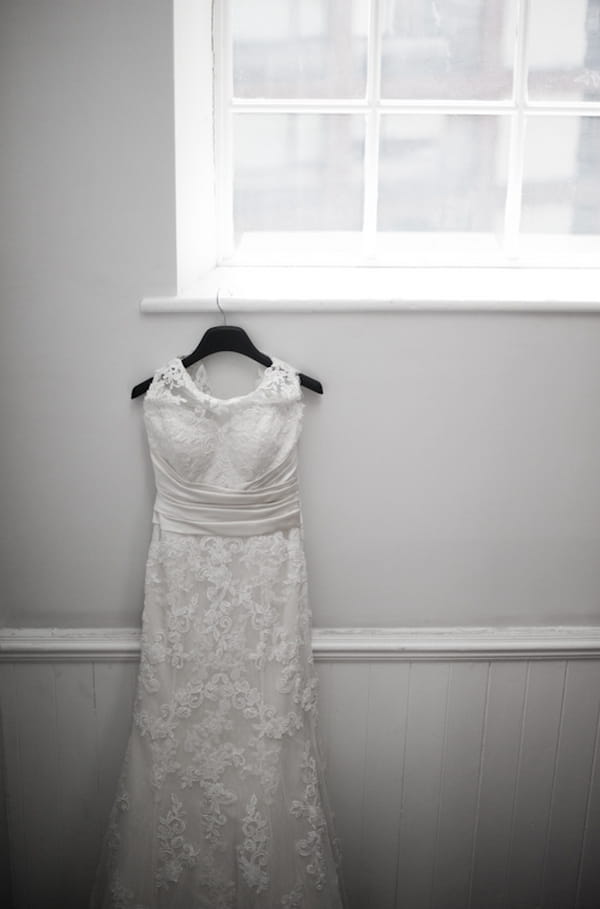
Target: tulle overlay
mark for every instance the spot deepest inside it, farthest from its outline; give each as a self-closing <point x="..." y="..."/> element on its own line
<point x="221" y="802"/>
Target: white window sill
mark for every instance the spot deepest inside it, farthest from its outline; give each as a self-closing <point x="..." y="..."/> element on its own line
<point x="381" y="289"/>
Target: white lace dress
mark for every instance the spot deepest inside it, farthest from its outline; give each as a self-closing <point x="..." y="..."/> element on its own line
<point x="221" y="801"/>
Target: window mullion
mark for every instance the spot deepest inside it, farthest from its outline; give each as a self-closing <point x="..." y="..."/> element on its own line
<point x="512" y="216"/>
<point x="223" y="127"/>
<point x="371" y="155"/>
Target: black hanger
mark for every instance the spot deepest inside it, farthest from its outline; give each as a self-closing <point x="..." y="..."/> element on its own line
<point x="232" y="338"/>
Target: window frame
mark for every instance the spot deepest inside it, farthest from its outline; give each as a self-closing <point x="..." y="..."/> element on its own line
<point x="512" y="285"/>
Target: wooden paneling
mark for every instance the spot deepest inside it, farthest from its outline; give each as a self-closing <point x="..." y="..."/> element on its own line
<point x="543" y="711"/>
<point x="588" y="884"/>
<point x="573" y="768"/>
<point x="420" y="791"/>
<point x="455" y="785"/>
<point x="38" y="785"/>
<point x="65" y="728"/>
<point x="346" y="738"/>
<point x="498" y="771"/>
<point x="461" y="762"/>
<point x="384" y="769"/>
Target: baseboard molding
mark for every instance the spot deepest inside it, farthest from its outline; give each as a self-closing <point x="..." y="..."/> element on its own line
<point x="443" y="644"/>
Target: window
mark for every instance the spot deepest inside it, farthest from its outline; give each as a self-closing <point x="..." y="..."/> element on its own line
<point x="386" y="134"/>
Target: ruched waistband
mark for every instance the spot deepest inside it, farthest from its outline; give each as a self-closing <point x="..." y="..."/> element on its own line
<point x="240" y="513"/>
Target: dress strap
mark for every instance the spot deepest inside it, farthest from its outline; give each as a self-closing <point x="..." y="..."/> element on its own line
<point x="282" y="379"/>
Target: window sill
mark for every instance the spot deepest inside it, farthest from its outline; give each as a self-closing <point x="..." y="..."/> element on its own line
<point x="381" y="289"/>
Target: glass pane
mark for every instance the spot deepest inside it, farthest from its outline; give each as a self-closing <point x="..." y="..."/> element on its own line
<point x="442" y="173"/>
<point x="448" y="49"/>
<point x="299" y="48"/>
<point x="298" y="172"/>
<point x="561" y="189"/>
<point x="564" y="50"/>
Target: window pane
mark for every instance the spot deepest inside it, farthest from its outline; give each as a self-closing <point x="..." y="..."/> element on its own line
<point x="442" y="173"/>
<point x="448" y="49"/>
<point x="564" y="50"/>
<point x="299" y="48"/>
<point x="298" y="172"/>
<point x="561" y="190"/>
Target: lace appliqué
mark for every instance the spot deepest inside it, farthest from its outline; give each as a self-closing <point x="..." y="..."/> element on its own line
<point x="239" y="629"/>
<point x="278" y="380"/>
<point x="293" y="899"/>
<point x="253" y="853"/>
<point x="311" y="845"/>
<point x="123" y="898"/>
<point x="174" y="853"/>
<point x="281" y="380"/>
<point x="214" y="644"/>
<point x="165" y="380"/>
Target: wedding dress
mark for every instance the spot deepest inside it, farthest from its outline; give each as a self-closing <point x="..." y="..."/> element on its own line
<point x="221" y="802"/>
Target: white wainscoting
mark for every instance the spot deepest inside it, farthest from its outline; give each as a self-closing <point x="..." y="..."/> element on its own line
<point x="463" y="764"/>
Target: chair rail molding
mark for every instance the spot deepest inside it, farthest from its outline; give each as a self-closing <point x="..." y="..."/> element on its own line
<point x="330" y="644"/>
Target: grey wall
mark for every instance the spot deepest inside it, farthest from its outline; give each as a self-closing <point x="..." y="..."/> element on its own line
<point x="449" y="473"/>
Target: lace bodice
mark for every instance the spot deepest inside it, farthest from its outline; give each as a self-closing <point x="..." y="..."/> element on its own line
<point x="229" y="442"/>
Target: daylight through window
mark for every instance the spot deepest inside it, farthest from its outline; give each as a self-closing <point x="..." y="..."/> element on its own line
<point x="407" y="131"/>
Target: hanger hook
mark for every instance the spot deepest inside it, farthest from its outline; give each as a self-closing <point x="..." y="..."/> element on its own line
<point x="220" y="307"/>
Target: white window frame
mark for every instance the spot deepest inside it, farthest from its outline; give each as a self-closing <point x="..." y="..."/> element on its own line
<point x="513" y="286"/>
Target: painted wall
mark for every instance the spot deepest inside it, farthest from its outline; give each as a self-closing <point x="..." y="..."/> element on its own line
<point x="449" y="473"/>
